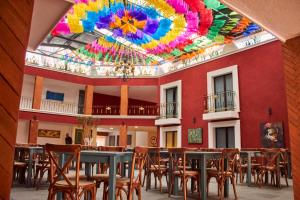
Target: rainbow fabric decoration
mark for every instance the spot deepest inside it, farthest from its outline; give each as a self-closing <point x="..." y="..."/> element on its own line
<point x="166" y="28"/>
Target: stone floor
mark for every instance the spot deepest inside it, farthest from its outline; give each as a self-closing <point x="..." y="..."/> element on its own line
<point x="20" y="192"/>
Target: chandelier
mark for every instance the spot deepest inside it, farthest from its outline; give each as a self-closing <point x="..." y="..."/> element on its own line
<point x="125" y="69"/>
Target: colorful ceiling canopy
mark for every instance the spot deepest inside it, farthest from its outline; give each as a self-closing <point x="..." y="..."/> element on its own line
<point x="154" y="31"/>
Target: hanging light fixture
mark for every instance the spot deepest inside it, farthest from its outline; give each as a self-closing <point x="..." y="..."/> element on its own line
<point x="125" y="69"/>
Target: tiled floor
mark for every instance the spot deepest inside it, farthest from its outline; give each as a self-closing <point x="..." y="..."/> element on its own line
<point x="19" y="192"/>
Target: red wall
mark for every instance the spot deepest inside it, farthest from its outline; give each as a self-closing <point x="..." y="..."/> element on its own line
<point x="261" y="85"/>
<point x="103" y="99"/>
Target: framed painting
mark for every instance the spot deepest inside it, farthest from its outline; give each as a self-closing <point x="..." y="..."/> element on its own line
<point x="195" y="136"/>
<point x="272" y="135"/>
<point x="48" y="133"/>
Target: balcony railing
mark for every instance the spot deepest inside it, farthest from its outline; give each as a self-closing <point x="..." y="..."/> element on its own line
<point x="106" y="110"/>
<point x="26" y="103"/>
<point x="51" y="106"/>
<point x="69" y="108"/>
<point x="222" y="101"/>
<point x="169" y="110"/>
<point x="143" y="110"/>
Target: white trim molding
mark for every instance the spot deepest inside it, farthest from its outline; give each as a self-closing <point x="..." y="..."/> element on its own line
<point x="163" y="89"/>
<point x="162" y="135"/>
<point x="210" y="90"/>
<point x="212" y="132"/>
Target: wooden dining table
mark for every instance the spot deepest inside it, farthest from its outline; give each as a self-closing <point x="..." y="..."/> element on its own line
<point x="90" y="157"/>
<point x="32" y="150"/>
<point x="248" y="153"/>
<point x="201" y="157"/>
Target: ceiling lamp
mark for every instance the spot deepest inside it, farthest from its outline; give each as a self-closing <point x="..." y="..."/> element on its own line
<point x="125" y="69"/>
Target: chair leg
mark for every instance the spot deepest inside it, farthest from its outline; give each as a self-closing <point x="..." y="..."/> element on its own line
<point x="160" y="182"/>
<point x="234" y="187"/>
<point x="184" y="188"/>
<point x="36" y="176"/>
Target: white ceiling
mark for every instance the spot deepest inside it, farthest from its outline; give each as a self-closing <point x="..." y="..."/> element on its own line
<point x="145" y="93"/>
<point x="45" y="16"/>
<point x="281" y="18"/>
<point x="65" y="84"/>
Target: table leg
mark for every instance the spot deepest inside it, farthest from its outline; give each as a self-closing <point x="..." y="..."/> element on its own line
<point x="29" y="174"/>
<point x="203" y="177"/>
<point x="226" y="186"/>
<point x="112" y="178"/>
<point x="248" y="169"/>
<point x="87" y="169"/>
<point x="61" y="162"/>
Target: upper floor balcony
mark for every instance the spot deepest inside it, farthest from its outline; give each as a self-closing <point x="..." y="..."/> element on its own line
<point x="221" y="105"/>
<point x="57" y="107"/>
<point x="168" y="114"/>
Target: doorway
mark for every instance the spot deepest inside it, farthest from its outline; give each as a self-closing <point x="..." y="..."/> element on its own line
<point x="171" y="139"/>
<point x="225" y="137"/>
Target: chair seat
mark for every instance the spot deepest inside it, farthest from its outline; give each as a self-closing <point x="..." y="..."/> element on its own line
<point x="187" y="173"/>
<point x="214" y="172"/>
<point x="82" y="183"/>
<point x="158" y="167"/>
<point x="81" y="177"/>
<point x="103" y="177"/>
<point x="20" y="164"/>
<point x="43" y="166"/>
<point x="121" y="182"/>
<point x="253" y="165"/>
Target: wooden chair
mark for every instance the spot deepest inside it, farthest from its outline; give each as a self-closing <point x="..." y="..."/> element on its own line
<point x="19" y="171"/>
<point x="225" y="170"/>
<point x="72" y="188"/>
<point x="269" y="163"/>
<point x="242" y="168"/>
<point x="283" y="164"/>
<point x="103" y="176"/>
<point x="155" y="165"/>
<point x="179" y="169"/>
<point x="128" y="185"/>
<point x="41" y="168"/>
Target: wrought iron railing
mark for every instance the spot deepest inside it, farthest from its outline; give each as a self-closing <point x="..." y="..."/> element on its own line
<point x="222" y="101"/>
<point x="169" y="110"/>
<point x="143" y="110"/>
<point x="106" y="110"/>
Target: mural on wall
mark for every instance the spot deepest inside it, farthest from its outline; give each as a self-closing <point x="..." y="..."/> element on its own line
<point x="195" y="136"/>
<point x="272" y="134"/>
<point x="49" y="133"/>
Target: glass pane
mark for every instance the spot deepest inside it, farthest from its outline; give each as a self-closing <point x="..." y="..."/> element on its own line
<point x="171" y="102"/>
<point x="221" y="138"/>
<point x="111" y="141"/>
<point x="230" y="137"/>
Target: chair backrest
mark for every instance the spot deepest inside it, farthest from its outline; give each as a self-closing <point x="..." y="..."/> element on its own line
<point x="178" y="159"/>
<point x="270" y="156"/>
<point x="230" y="157"/>
<point x="153" y="158"/>
<point x="58" y="172"/>
<point x="138" y="162"/>
<point x="112" y="148"/>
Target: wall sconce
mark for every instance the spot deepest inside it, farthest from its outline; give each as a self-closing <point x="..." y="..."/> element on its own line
<point x="270" y="111"/>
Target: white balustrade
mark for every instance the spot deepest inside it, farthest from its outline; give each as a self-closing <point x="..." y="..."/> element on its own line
<point x="50" y="106"/>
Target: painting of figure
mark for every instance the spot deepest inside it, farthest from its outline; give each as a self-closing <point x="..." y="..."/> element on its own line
<point x="272" y="135"/>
